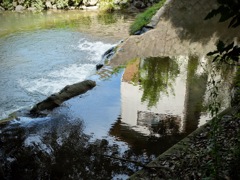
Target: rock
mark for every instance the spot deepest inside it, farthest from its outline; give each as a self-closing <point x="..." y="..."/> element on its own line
<point x="31" y="9"/>
<point x="90" y="2"/>
<point x="109" y="53"/>
<point x="48" y="4"/>
<point x="143" y="30"/>
<point x="54" y="6"/>
<point x="20" y="2"/>
<point x="99" y="66"/>
<point x="89" y="7"/>
<point x="19" y="8"/>
<point x="66" y="93"/>
<point x="72" y="8"/>
<point x="139" y="4"/>
<point x="124" y="3"/>
<point x="121" y="2"/>
<point x="14" y="3"/>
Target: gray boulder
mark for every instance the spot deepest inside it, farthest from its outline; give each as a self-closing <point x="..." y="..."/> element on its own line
<point x="139" y="4"/>
<point x="19" y="8"/>
<point x="48" y="4"/>
<point x="90" y="2"/>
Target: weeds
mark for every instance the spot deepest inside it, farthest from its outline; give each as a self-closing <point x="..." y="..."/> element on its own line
<point x="144" y="18"/>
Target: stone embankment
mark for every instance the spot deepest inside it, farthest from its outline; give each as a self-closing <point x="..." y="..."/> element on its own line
<point x="179" y="29"/>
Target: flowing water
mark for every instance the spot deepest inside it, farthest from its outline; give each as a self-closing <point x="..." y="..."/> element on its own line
<point x="41" y="53"/>
<point x="133" y="115"/>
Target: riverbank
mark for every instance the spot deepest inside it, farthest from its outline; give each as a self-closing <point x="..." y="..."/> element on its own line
<point x="103" y="5"/>
<point x="180" y="30"/>
<point x="197" y="150"/>
<point x="207" y="153"/>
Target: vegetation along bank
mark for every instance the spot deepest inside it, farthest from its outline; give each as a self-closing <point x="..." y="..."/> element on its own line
<point x="107" y="5"/>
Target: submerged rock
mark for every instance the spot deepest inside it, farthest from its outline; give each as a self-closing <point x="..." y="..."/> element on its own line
<point x="66" y="93"/>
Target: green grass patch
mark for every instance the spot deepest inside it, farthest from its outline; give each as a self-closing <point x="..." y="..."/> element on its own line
<point x="144" y="18"/>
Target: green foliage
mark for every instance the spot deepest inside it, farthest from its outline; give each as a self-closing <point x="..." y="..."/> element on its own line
<point x="144" y="18"/>
<point x="7" y="4"/>
<point x="61" y="4"/>
<point x="38" y="4"/>
<point x="74" y="2"/>
<point x="106" y="5"/>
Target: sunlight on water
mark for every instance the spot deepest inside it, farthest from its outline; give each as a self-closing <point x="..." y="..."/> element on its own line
<point x="53" y="81"/>
<point x="42" y="68"/>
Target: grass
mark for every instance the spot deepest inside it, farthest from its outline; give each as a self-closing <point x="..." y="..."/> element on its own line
<point x="144" y="18"/>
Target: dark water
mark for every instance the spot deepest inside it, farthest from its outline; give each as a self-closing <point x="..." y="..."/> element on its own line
<point x="95" y="135"/>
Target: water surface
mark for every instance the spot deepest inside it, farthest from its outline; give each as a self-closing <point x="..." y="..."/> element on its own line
<point x="43" y="52"/>
<point x="133" y="115"/>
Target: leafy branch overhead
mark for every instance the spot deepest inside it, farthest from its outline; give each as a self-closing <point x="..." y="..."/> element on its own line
<point x="228" y="9"/>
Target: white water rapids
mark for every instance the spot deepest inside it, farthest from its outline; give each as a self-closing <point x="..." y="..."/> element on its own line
<point x="36" y="64"/>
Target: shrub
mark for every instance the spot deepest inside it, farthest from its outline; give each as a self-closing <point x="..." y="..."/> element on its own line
<point x="106" y="5"/>
<point x="7" y="4"/>
<point x="144" y="18"/>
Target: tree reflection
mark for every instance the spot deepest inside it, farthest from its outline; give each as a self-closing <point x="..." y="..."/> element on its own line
<point x="163" y="134"/>
<point x="157" y="77"/>
<point x="106" y="18"/>
<point x="195" y="91"/>
<point x="62" y="151"/>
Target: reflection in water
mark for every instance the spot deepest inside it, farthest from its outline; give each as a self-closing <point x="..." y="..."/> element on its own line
<point x="195" y="90"/>
<point x="43" y="52"/>
<point x="64" y="146"/>
<point x="106" y="18"/>
<point x="57" y="148"/>
<point x="92" y="22"/>
<point x="150" y="145"/>
<point x="159" y="124"/>
<point x="178" y="89"/>
<point x="157" y="77"/>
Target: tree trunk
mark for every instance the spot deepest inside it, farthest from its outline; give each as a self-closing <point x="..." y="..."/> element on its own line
<point x="66" y="93"/>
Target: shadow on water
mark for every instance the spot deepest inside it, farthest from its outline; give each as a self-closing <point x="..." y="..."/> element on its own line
<point x="188" y="20"/>
<point x="196" y="87"/>
<point x="95" y="136"/>
<point x="163" y="100"/>
<point x="56" y="148"/>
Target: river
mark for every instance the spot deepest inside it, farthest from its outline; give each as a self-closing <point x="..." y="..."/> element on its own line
<point x="129" y="117"/>
<point x="42" y="53"/>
